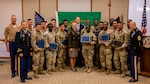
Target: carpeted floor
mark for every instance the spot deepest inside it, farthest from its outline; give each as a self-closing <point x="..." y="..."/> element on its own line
<point x="69" y="77"/>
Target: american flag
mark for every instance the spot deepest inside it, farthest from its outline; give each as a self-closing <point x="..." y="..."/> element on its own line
<point x="144" y="19"/>
<point x="38" y="18"/>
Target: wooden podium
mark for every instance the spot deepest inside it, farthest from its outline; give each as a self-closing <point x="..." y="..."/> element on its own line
<point x="145" y="58"/>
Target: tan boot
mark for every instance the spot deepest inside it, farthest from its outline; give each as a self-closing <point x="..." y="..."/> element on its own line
<point x="49" y="72"/>
<point x="108" y="72"/>
<point x="123" y="74"/>
<point x="35" y="74"/>
<point x="53" y="70"/>
<point x="89" y="70"/>
<point x="42" y="72"/>
<point x="85" y="70"/>
<point x="117" y="71"/>
<point x="102" y="70"/>
<point x="64" y="66"/>
<point x="61" y="69"/>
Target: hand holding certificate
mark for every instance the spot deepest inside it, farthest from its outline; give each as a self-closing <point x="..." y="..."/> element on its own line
<point x="40" y="43"/>
<point x="85" y="39"/>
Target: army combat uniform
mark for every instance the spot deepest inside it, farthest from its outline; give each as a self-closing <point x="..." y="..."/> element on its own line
<point x="88" y="51"/>
<point x="38" y="56"/>
<point x="61" y="39"/>
<point x="106" y="51"/>
<point x="120" y="53"/>
<point x="96" y="58"/>
<point x="50" y="37"/>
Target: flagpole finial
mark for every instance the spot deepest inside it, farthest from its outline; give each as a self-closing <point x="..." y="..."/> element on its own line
<point x="33" y="9"/>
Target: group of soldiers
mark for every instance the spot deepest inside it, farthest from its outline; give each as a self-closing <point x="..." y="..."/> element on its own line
<point x="108" y="46"/>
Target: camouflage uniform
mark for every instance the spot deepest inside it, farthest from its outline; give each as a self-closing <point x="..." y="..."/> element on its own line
<point x="49" y="37"/>
<point x="120" y="55"/>
<point x="97" y="46"/>
<point x="88" y="51"/>
<point x="106" y="50"/>
<point x="38" y="56"/>
<point x="60" y="37"/>
<point x="55" y="29"/>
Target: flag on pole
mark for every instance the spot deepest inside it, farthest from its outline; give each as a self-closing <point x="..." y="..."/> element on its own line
<point x="38" y="18"/>
<point x="144" y="20"/>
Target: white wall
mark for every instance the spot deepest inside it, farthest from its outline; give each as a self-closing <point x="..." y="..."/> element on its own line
<point x="74" y="5"/>
<point x="136" y="11"/>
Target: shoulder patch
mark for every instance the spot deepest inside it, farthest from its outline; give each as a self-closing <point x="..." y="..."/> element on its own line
<point x="139" y="38"/>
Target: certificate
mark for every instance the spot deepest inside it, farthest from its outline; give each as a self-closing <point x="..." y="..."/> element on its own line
<point x="53" y="46"/>
<point x="85" y="39"/>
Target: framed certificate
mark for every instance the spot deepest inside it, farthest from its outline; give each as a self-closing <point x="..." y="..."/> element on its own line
<point x="53" y="46"/>
<point x="40" y="43"/>
<point x="105" y="37"/>
<point x="117" y="43"/>
<point x="85" y="39"/>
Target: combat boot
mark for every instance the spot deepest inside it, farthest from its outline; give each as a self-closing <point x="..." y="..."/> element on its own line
<point x="61" y="69"/>
<point x="35" y="74"/>
<point x="64" y="66"/>
<point x="49" y="72"/>
<point x="108" y="72"/>
<point x="89" y="70"/>
<point x="117" y="71"/>
<point x="101" y="70"/>
<point x="53" y="70"/>
<point x="42" y="72"/>
<point x="85" y="70"/>
<point x="123" y="74"/>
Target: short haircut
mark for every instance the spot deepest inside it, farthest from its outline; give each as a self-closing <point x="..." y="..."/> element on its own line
<point x="37" y="24"/>
<point x="43" y="21"/>
<point x="95" y="19"/>
<point x="53" y="19"/>
<point x="13" y="15"/>
<point x="29" y="19"/>
<point x="23" y="21"/>
<point x="120" y="22"/>
<point x="61" y="24"/>
<point x="101" y="22"/>
<point x="65" y="20"/>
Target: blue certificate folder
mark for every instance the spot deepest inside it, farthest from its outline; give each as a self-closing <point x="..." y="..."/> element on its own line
<point x="85" y="39"/>
<point x="40" y="43"/>
<point x="53" y="46"/>
<point x="105" y="37"/>
<point x="64" y="42"/>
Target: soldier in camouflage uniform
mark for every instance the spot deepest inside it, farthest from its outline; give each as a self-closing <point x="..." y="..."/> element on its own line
<point x="120" y="54"/>
<point x="44" y="29"/>
<point x="88" y="49"/>
<point x="61" y="39"/>
<point x="55" y="28"/>
<point x="106" y="49"/>
<point x="38" y="54"/>
<point x="97" y="29"/>
<point x="49" y="37"/>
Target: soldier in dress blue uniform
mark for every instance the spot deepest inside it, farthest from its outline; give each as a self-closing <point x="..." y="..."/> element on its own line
<point x="24" y="51"/>
<point x="134" y="50"/>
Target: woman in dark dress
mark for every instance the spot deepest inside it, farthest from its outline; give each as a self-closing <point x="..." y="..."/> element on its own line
<point x="73" y="44"/>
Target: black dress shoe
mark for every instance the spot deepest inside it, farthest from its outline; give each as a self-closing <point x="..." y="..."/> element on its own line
<point x="28" y="78"/>
<point x="12" y="75"/>
<point x="22" y="80"/>
<point x="132" y="80"/>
